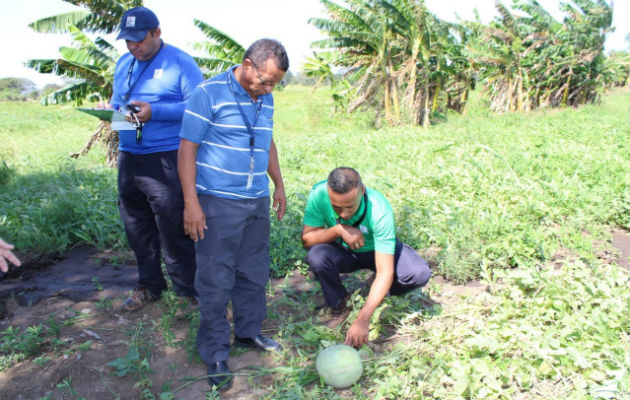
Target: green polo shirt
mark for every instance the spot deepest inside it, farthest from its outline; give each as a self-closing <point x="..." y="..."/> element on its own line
<point x="377" y="227"/>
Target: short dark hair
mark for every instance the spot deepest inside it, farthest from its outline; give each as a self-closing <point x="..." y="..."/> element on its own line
<point x="264" y="49"/>
<point x="343" y="179"/>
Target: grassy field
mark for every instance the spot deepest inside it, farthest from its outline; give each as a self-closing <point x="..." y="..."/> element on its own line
<point x="486" y="190"/>
<point x="480" y="194"/>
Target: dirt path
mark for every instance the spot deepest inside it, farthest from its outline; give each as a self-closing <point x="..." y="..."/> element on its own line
<point x="93" y="333"/>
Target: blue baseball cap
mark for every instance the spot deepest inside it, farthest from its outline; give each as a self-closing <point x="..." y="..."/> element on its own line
<point x="136" y="23"/>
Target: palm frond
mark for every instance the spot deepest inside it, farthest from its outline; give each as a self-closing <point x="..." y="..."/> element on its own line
<point x="218" y="39"/>
<point x="58" y="23"/>
<point x="507" y="19"/>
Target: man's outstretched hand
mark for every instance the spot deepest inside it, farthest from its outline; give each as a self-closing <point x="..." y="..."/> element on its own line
<point x="5" y="254"/>
<point x="358" y="333"/>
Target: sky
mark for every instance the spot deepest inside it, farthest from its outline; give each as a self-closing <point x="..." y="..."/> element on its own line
<point x="243" y="20"/>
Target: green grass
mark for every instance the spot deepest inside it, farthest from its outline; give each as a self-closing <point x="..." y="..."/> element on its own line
<point x="489" y="192"/>
<point x="539" y="334"/>
<point x="487" y="189"/>
<point x="51" y="202"/>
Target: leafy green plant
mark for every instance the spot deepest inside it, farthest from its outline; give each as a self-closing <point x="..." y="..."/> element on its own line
<point x="6" y="172"/>
<point x="136" y="361"/>
<point x="97" y="283"/>
<point x="66" y="387"/>
<point x="41" y="360"/>
<point x="174" y="307"/>
<point x="104" y="303"/>
<point x="26" y="344"/>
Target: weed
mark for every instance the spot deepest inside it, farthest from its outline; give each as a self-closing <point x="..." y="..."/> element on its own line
<point x="41" y="360"/>
<point x="85" y="346"/>
<point x="26" y="344"/>
<point x="138" y="354"/>
<point x="96" y="283"/>
<point x="104" y="304"/>
<point x="66" y="387"/>
<point x="171" y="305"/>
<point x="6" y="172"/>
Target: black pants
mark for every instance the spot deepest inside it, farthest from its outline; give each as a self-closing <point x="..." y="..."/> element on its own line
<point x="151" y="207"/>
<point x="328" y="260"/>
<point x="232" y="264"/>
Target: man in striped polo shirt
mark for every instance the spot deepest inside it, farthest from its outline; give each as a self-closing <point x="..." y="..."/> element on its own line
<point x="226" y="154"/>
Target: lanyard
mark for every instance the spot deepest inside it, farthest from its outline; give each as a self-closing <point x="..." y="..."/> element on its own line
<point x="133" y="62"/>
<point x="250" y="129"/>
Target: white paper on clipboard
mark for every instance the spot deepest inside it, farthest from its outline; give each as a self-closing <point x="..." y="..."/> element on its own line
<point x="117" y="119"/>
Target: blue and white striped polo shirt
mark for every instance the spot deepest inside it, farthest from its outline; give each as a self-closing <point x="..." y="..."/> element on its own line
<point x="212" y="119"/>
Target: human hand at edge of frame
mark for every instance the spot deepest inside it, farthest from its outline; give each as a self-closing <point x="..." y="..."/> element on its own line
<point x="279" y="202"/>
<point x="358" y="333"/>
<point x="6" y="254"/>
<point x="352" y="236"/>
<point x="194" y="222"/>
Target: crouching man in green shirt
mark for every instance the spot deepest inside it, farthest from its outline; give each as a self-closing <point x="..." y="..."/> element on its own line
<point x="348" y="227"/>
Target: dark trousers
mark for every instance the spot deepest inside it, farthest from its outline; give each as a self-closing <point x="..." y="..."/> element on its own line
<point x="328" y="260"/>
<point x="151" y="206"/>
<point x="232" y="264"/>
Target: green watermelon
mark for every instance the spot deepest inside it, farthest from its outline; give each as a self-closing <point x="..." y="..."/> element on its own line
<point x="339" y="366"/>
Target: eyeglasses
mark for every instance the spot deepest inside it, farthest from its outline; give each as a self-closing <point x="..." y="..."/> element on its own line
<point x="264" y="82"/>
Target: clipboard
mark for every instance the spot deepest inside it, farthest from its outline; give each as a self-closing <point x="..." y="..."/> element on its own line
<point x="117" y="119"/>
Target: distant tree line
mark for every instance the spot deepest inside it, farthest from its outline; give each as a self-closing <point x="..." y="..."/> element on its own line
<point x="403" y="60"/>
<point x="22" y="89"/>
<point x="394" y="56"/>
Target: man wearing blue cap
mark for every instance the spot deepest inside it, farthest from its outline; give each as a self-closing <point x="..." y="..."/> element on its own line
<point x="152" y="82"/>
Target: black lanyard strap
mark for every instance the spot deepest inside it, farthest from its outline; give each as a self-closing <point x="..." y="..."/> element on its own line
<point x="250" y="129"/>
<point x="133" y="62"/>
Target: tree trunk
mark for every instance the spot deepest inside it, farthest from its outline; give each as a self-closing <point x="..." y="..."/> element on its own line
<point x="434" y="106"/>
<point x="425" y="103"/>
<point x="565" y="95"/>
<point x="110" y="140"/>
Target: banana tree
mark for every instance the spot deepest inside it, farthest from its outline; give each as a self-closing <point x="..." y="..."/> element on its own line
<point x="96" y="16"/>
<point x="499" y="54"/>
<point x="89" y="63"/>
<point x="223" y="51"/>
<point x="361" y="33"/>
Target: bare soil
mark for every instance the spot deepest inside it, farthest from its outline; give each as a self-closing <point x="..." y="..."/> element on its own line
<point x="74" y="291"/>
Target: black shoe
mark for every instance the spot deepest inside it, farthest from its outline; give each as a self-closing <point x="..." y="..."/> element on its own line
<point x="259" y="342"/>
<point x="219" y="375"/>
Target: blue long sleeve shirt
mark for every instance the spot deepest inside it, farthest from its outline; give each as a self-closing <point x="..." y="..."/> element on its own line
<point x="166" y="82"/>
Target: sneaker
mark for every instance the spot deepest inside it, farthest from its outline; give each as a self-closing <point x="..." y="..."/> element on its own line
<point x="138" y="298"/>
